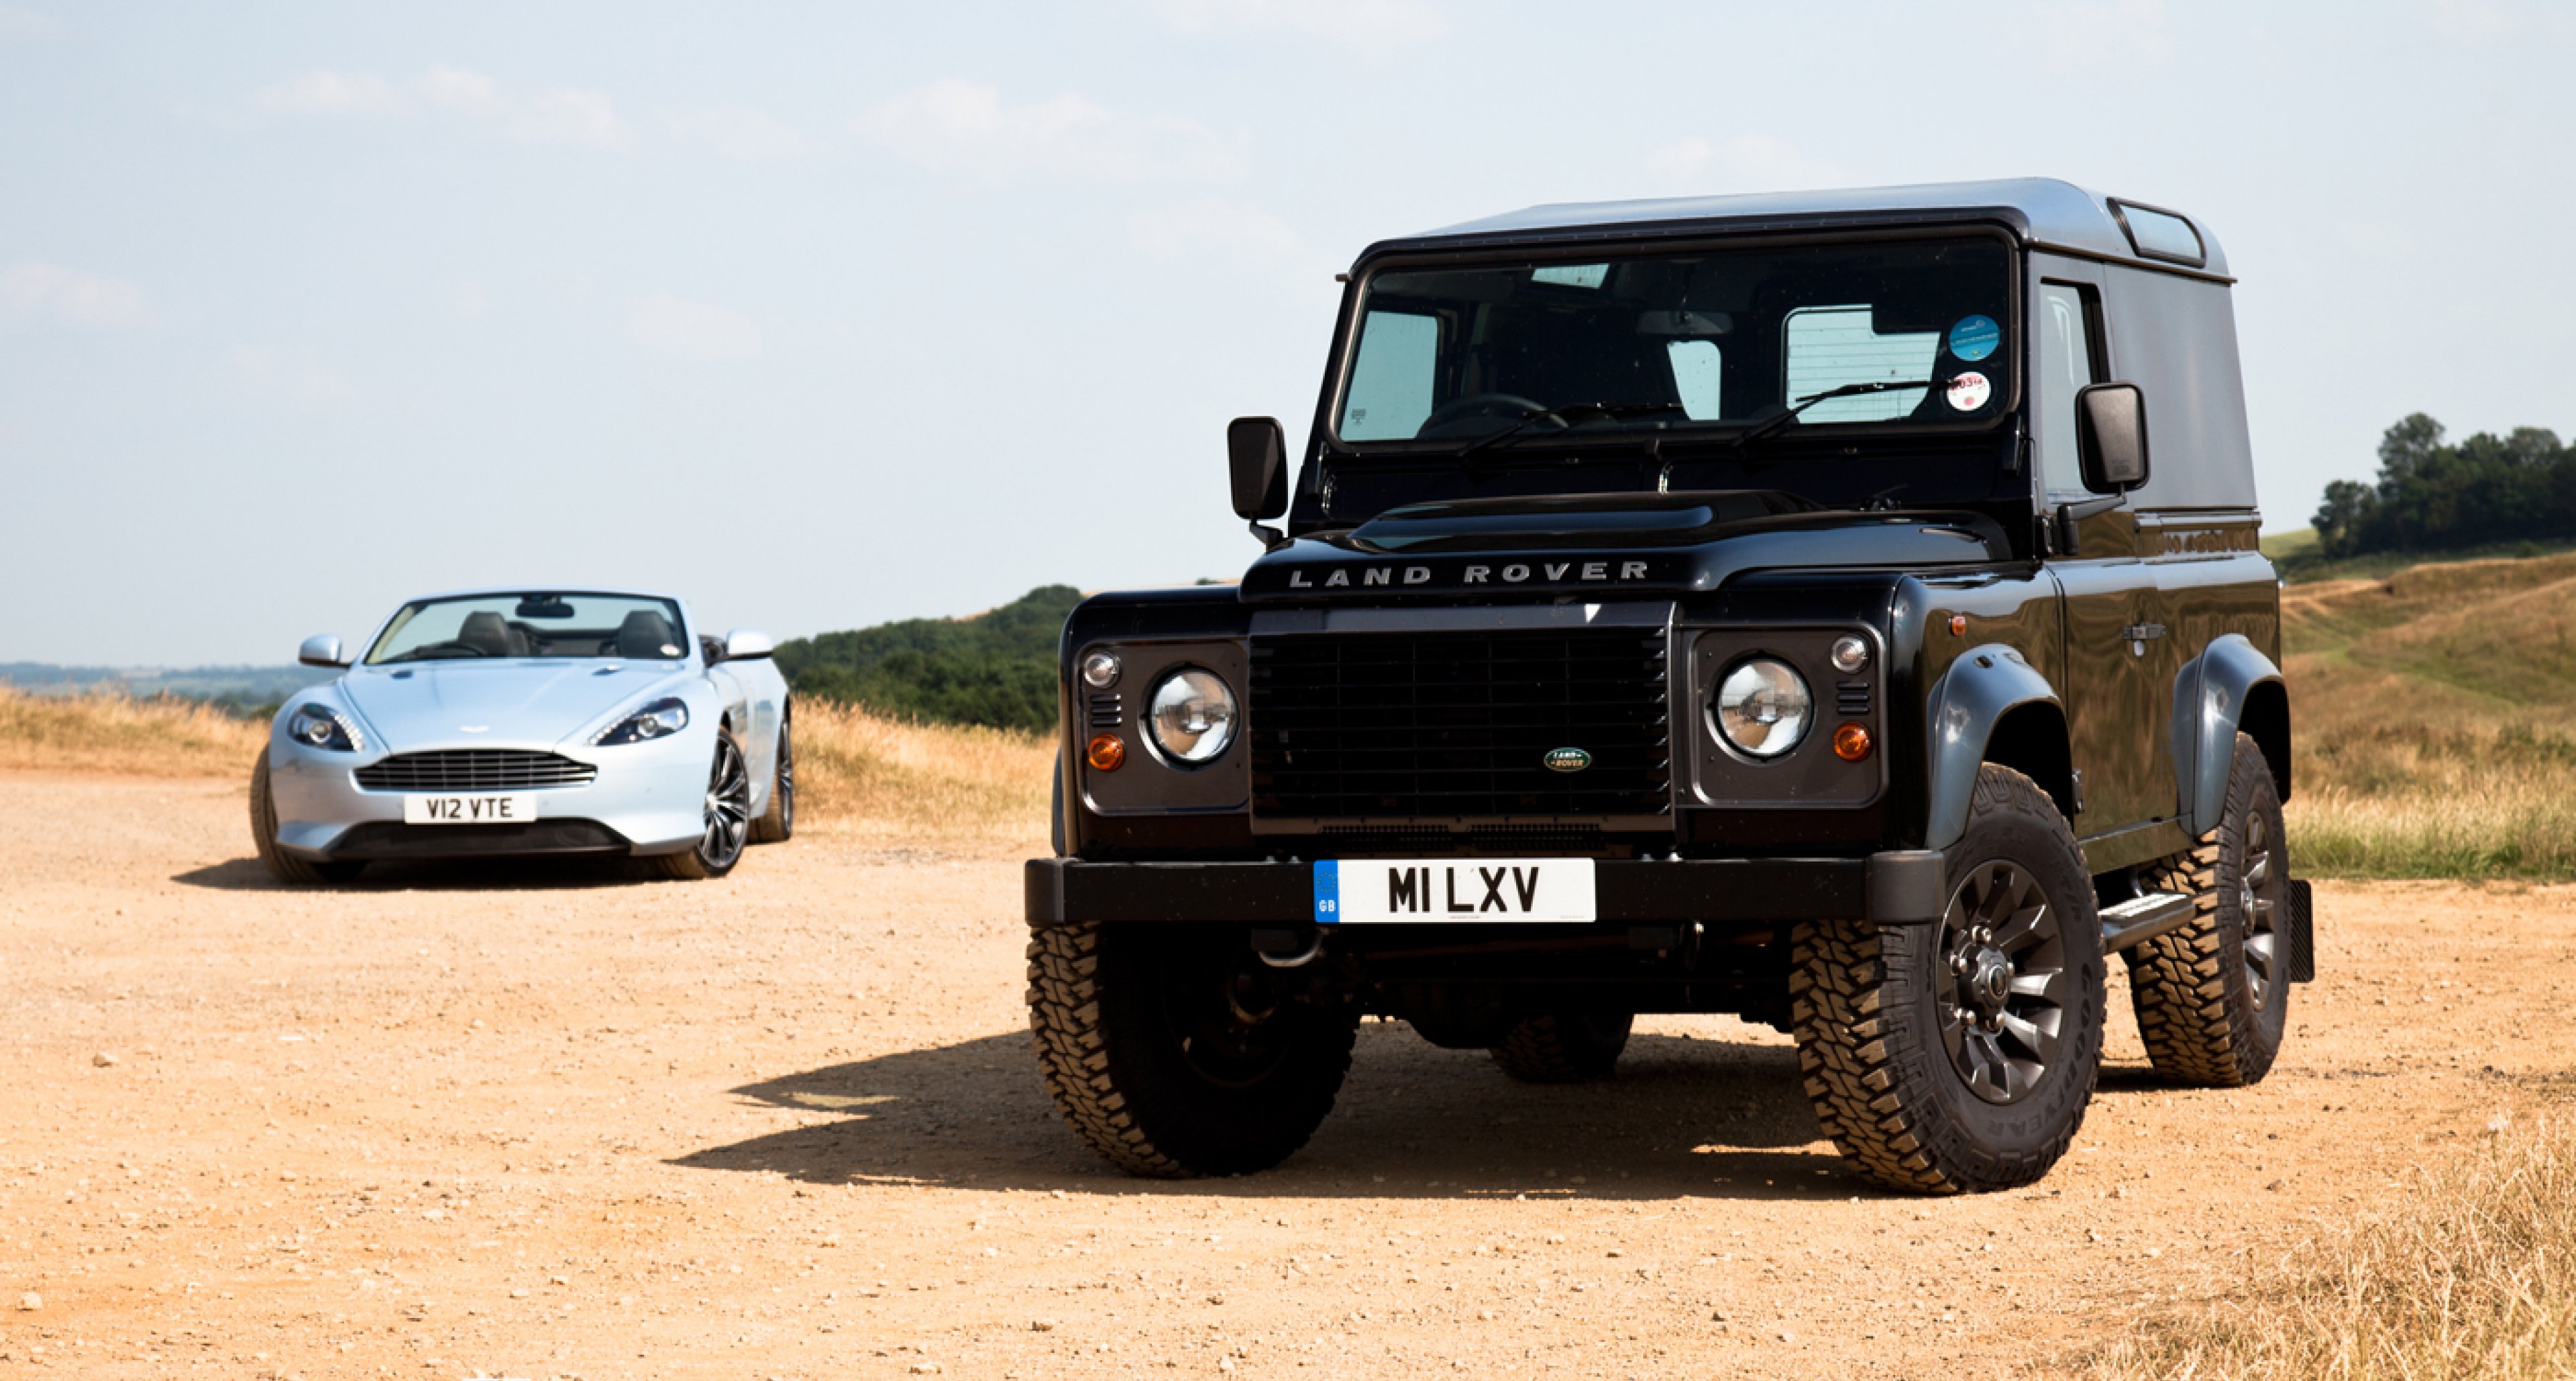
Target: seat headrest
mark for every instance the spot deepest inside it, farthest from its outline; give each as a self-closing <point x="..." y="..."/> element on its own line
<point x="485" y="632"/>
<point x="644" y="633"/>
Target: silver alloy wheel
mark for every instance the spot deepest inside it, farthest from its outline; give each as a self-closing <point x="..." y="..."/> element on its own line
<point x="728" y="807"/>
<point x="2002" y="987"/>
<point x="2257" y="908"/>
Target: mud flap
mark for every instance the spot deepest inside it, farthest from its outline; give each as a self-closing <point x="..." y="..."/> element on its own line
<point x="2303" y="933"/>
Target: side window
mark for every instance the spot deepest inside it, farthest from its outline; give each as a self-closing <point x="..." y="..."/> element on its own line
<point x="1695" y="378"/>
<point x="1390" y="393"/>
<point x="2065" y="363"/>
<point x="1827" y="347"/>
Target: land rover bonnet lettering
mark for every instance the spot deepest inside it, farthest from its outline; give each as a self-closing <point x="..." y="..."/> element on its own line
<point x="1339" y="577"/>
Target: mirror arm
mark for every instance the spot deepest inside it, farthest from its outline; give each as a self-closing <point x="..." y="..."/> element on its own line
<point x="2069" y="514"/>
<point x="1272" y="539"/>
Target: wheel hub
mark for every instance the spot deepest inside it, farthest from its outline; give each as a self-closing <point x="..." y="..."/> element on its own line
<point x="1989" y="985"/>
<point x="2002" y="989"/>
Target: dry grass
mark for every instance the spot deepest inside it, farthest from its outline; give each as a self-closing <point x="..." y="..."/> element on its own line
<point x="873" y="775"/>
<point x="2432" y="712"/>
<point x="855" y="770"/>
<point x="123" y="736"/>
<point x="2472" y="1275"/>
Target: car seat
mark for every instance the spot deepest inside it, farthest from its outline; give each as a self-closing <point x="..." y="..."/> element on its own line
<point x="645" y="634"/>
<point x="486" y="632"/>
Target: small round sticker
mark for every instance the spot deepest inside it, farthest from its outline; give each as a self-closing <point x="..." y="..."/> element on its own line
<point x="670" y="650"/>
<point x="1968" y="392"/>
<point x="1975" y="337"/>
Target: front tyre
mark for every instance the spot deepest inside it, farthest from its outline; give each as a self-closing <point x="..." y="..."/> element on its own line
<point x="1959" y="1056"/>
<point x="2213" y="998"/>
<point x="281" y="865"/>
<point x="777" y="824"/>
<point x="727" y="818"/>
<point x="1564" y="1047"/>
<point x="1173" y="1054"/>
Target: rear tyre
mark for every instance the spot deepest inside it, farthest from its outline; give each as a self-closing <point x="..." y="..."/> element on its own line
<point x="1564" y="1047"/>
<point x="727" y="819"/>
<point x="1959" y="1056"/>
<point x="1174" y="1054"/>
<point x="777" y="824"/>
<point x="281" y="865"/>
<point x="2213" y="998"/>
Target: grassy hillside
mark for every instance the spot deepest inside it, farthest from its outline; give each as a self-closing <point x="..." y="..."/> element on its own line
<point x="2432" y="711"/>
<point x="996" y="669"/>
<point x="118" y="734"/>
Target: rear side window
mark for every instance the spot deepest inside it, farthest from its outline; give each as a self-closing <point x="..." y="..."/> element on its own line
<point x="2161" y="234"/>
<point x="1828" y="347"/>
<point x="2065" y="362"/>
<point x="1391" y="381"/>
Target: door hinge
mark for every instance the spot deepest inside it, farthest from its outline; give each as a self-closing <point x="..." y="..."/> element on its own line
<point x="2077" y="785"/>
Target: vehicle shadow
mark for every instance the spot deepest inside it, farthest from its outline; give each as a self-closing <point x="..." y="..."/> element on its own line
<point x="1683" y="1117"/>
<point x="450" y="875"/>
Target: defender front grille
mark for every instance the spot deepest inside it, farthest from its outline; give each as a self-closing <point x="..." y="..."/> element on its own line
<point x="474" y="769"/>
<point x="1431" y="726"/>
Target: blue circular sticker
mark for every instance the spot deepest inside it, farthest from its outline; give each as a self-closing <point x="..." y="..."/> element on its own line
<point x="1975" y="337"/>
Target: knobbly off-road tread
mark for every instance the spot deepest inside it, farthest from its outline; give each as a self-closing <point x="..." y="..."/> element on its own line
<point x="2178" y="981"/>
<point x="1873" y="1099"/>
<point x="1064" y="1020"/>
<point x="1557" y="1049"/>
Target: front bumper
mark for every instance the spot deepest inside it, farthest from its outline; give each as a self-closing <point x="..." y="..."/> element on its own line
<point x="1899" y="888"/>
<point x="647" y="799"/>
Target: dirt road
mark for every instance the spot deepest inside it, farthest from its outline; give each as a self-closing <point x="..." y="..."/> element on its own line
<point x="543" y="1122"/>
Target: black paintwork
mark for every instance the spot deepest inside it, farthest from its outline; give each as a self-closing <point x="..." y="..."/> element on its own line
<point x="2111" y="650"/>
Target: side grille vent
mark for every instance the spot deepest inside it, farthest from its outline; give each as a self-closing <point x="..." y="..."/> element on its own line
<point x="474" y="769"/>
<point x="1104" y="711"/>
<point x="1460" y="725"/>
<point x="1852" y="698"/>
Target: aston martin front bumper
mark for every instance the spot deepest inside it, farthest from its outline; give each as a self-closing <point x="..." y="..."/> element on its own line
<point x="646" y="798"/>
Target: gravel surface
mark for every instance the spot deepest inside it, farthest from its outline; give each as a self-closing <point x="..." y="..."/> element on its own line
<point x="546" y="1121"/>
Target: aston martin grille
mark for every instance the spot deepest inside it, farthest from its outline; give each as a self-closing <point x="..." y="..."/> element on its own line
<point x="474" y="769"/>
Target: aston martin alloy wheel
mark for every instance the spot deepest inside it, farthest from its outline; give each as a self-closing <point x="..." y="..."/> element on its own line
<point x="727" y="817"/>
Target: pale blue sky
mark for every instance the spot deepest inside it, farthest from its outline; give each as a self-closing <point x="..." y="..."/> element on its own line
<point x="827" y="314"/>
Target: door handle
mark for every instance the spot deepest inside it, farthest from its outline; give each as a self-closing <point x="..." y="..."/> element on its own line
<point x="2141" y="632"/>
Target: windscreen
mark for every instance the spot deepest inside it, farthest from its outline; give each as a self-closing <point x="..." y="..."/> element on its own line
<point x="1909" y="332"/>
<point x="539" y="623"/>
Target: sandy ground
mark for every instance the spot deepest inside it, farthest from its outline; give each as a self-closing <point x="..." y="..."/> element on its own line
<point x="540" y="1122"/>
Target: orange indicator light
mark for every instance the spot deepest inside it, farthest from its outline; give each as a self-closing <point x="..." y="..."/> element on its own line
<point x="1107" y="753"/>
<point x="1958" y="625"/>
<point x="1851" y="743"/>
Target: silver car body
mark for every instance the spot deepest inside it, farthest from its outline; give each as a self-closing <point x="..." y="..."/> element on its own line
<point x="643" y="798"/>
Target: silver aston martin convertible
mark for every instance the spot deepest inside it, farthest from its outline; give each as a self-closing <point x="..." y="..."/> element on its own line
<point x="505" y="722"/>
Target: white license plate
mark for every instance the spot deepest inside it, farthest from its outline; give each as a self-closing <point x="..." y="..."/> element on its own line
<point x="478" y="808"/>
<point x="1354" y="891"/>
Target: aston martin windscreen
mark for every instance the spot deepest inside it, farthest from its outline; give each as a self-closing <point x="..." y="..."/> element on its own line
<point x="533" y="624"/>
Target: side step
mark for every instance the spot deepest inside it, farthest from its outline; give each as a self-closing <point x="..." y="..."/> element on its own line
<point x="2140" y="919"/>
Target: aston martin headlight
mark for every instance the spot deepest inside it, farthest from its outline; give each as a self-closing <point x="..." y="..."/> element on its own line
<point x="1192" y="716"/>
<point x="320" y="726"/>
<point x="1764" y="707"/>
<point x="661" y="719"/>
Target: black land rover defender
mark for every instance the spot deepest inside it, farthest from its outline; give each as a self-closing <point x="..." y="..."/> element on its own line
<point x="1767" y="605"/>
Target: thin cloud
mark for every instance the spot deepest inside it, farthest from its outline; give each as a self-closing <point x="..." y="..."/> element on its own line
<point x="1212" y="228"/>
<point x="2096" y="31"/>
<point x="562" y="115"/>
<point x="1750" y="162"/>
<point x="1371" y="28"/>
<point x="330" y="93"/>
<point x="965" y="127"/>
<point x="677" y="328"/>
<point x="18" y="22"/>
<point x="738" y="133"/>
<point x="31" y="291"/>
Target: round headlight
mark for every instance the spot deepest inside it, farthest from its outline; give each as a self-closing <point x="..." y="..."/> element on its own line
<point x="1192" y="716"/>
<point x="1763" y="707"/>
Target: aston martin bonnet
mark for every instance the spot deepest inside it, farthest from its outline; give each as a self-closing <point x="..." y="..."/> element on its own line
<point x="529" y="721"/>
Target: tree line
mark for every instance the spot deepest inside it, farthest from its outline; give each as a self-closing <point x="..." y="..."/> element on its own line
<point x="997" y="668"/>
<point x="2434" y="496"/>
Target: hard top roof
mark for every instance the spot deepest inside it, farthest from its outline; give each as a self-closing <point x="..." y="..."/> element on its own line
<point x="2047" y="211"/>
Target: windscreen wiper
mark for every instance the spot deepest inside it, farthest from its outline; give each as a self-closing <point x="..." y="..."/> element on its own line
<point x="1566" y="412"/>
<point x="1776" y="421"/>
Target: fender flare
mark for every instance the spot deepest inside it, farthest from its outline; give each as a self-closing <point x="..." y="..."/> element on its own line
<point x="1971" y="698"/>
<point x="2210" y="697"/>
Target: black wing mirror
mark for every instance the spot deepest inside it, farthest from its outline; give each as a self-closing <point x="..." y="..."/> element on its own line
<point x="2111" y="437"/>
<point x="1258" y="453"/>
